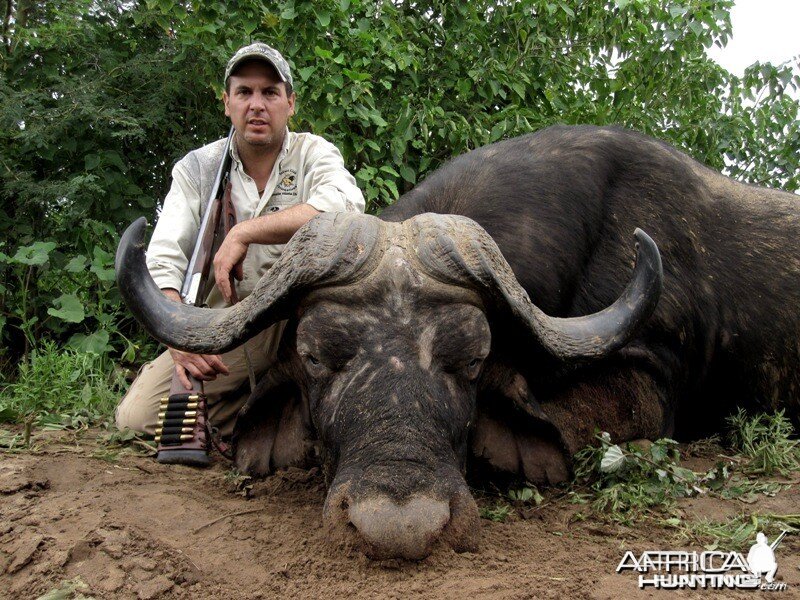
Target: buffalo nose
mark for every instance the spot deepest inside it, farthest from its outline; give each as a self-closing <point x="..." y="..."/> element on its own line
<point x="406" y="530"/>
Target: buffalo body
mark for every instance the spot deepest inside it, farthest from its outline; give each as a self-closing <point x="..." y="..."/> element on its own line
<point x="419" y="348"/>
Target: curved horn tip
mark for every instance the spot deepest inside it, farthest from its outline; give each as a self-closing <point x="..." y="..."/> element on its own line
<point x="131" y="238"/>
<point x="135" y="230"/>
<point x="641" y="235"/>
<point x="645" y="245"/>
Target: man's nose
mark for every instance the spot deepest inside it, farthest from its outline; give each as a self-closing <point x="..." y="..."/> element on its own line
<point x="258" y="102"/>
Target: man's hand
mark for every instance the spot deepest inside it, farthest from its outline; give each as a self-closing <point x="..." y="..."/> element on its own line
<point x="204" y="367"/>
<point x="276" y="228"/>
<point x="229" y="259"/>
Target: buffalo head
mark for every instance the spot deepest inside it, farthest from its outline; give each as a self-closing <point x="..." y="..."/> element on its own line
<point x="401" y="338"/>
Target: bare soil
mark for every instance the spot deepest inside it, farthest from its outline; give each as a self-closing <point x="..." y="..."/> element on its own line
<point x="132" y="528"/>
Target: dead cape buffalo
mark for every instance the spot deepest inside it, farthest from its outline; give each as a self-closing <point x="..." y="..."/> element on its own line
<point x="416" y="351"/>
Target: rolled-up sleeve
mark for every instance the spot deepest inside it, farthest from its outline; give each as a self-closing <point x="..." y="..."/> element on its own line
<point x="175" y="232"/>
<point x="331" y="187"/>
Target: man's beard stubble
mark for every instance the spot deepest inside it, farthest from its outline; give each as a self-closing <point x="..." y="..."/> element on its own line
<point x="266" y="144"/>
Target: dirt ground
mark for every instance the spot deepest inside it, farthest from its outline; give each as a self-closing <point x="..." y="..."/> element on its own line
<point x="131" y="528"/>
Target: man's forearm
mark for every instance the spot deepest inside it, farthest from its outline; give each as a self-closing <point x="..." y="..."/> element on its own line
<point x="274" y="228"/>
<point x="172" y="294"/>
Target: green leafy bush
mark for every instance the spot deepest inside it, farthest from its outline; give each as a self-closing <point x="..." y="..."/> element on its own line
<point x="98" y="99"/>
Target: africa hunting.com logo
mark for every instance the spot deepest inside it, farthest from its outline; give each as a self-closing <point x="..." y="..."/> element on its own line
<point x="714" y="569"/>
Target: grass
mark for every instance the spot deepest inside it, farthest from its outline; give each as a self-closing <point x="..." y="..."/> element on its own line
<point x="765" y="440"/>
<point x="737" y="533"/>
<point x="60" y="389"/>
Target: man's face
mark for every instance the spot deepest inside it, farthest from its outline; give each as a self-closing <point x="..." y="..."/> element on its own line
<point x="257" y="104"/>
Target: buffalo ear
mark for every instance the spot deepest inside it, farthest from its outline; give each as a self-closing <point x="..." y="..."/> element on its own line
<point x="273" y="430"/>
<point x="513" y="435"/>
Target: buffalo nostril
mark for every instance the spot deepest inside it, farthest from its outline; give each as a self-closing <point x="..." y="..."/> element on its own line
<point x="394" y="530"/>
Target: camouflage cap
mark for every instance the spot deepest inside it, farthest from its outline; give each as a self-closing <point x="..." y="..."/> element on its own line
<point x="260" y="51"/>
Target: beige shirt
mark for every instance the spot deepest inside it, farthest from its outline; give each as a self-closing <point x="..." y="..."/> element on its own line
<point x="309" y="169"/>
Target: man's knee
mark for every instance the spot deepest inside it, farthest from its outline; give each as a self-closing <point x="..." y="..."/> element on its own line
<point x="134" y="413"/>
<point x="138" y="409"/>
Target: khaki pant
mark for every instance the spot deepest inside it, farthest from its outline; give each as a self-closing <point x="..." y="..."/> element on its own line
<point x="138" y="410"/>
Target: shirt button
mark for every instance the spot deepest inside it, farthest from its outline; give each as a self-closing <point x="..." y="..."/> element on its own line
<point x="274" y="208"/>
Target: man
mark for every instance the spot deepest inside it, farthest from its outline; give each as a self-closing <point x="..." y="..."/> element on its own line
<point x="280" y="180"/>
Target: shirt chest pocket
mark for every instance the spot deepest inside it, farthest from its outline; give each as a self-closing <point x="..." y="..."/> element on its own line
<point x="279" y="202"/>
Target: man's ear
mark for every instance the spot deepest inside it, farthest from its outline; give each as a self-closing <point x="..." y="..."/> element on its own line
<point x="292" y="100"/>
<point x="225" y="99"/>
<point x="512" y="433"/>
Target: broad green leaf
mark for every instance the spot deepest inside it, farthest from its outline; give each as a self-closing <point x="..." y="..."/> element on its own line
<point x="324" y="18"/>
<point x="497" y="131"/>
<point x="408" y="174"/>
<point x="91" y="161"/>
<point x="306" y="72"/>
<point x="103" y="264"/>
<point x="36" y="254"/>
<point x="95" y="343"/>
<point x="70" y="309"/>
<point x="322" y="53"/>
<point x="612" y="460"/>
<point x="76" y="264"/>
<point x="390" y="170"/>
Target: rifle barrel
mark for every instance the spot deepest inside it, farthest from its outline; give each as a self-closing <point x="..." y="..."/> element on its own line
<point x="192" y="282"/>
<point x="779" y="539"/>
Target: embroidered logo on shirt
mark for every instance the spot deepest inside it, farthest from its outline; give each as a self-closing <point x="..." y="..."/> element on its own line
<point x="287" y="183"/>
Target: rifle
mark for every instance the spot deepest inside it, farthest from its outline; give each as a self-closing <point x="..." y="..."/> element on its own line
<point x="778" y="540"/>
<point x="182" y="430"/>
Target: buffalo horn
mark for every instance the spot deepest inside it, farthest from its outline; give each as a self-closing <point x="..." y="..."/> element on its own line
<point x="457" y="250"/>
<point x="330" y="248"/>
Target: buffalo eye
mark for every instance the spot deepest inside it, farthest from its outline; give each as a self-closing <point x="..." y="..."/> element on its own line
<point x="314" y="366"/>
<point x="474" y="368"/>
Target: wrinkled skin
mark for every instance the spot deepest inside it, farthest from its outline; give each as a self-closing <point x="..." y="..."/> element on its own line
<point x="386" y="389"/>
<point x="392" y="394"/>
<point x="391" y="386"/>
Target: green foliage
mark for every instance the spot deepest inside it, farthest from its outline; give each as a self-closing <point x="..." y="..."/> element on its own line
<point x="766" y="441"/>
<point x="125" y="441"/>
<point x="526" y="495"/>
<point x="499" y="512"/>
<point x="737" y="533"/>
<point x="100" y="98"/>
<point x="627" y="482"/>
<point x="59" y="389"/>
